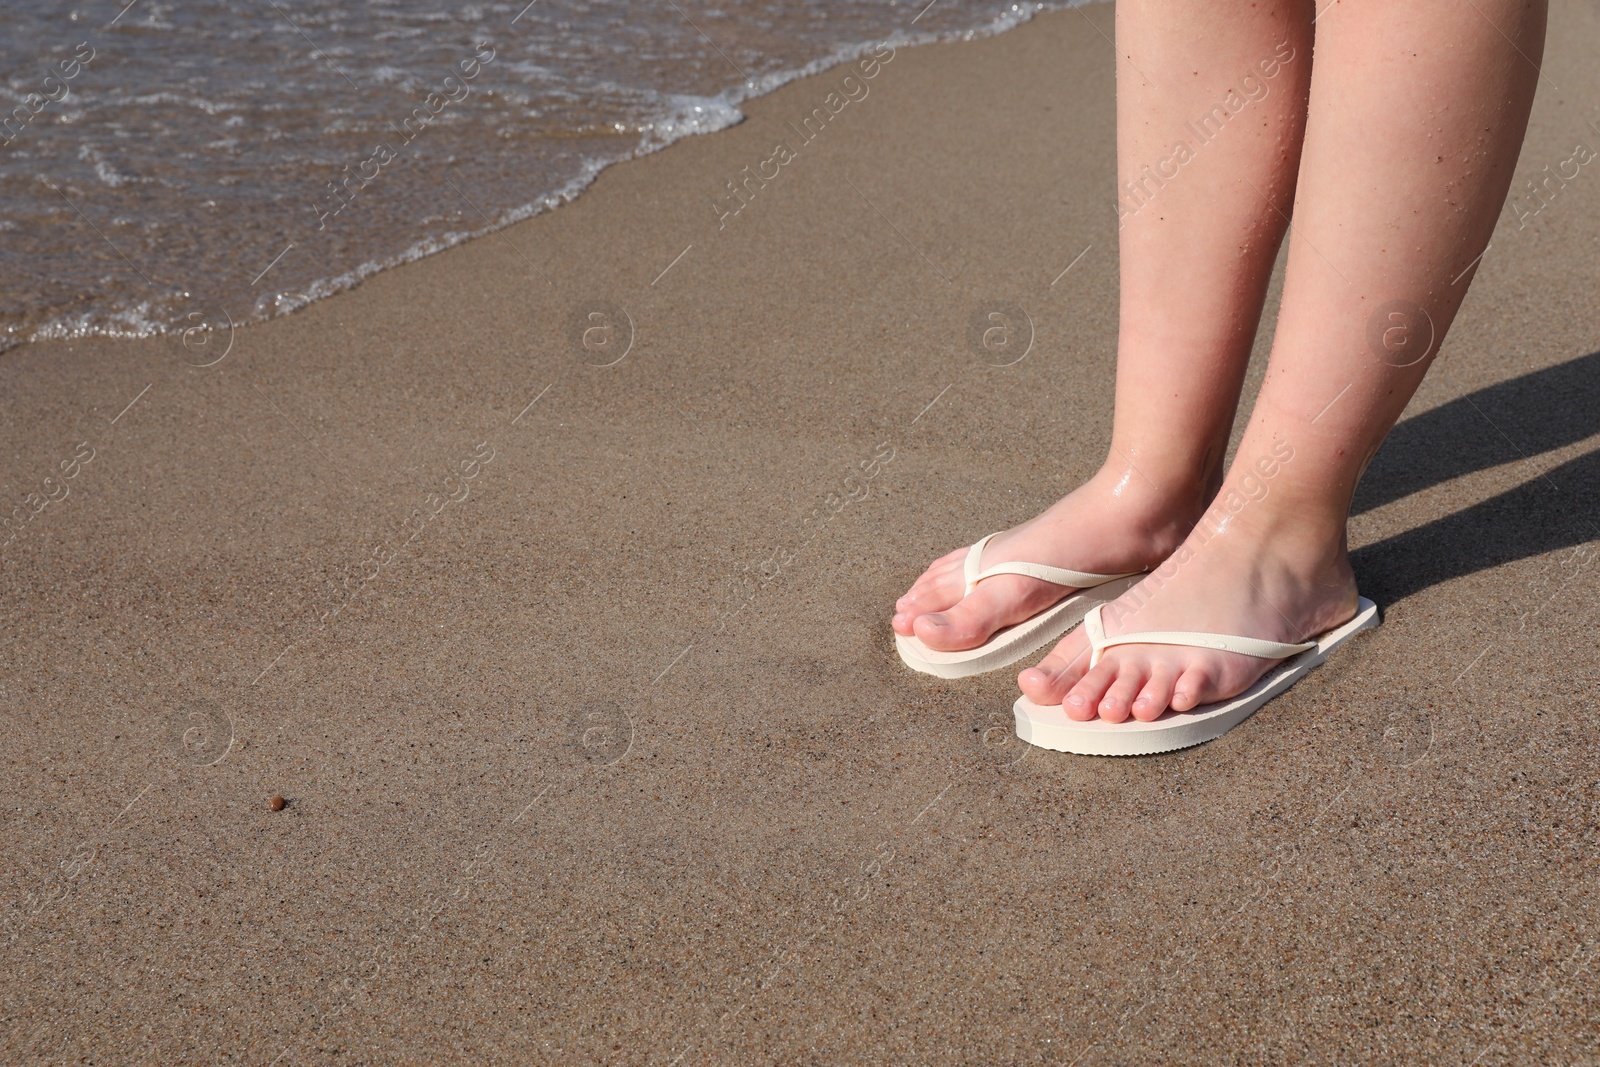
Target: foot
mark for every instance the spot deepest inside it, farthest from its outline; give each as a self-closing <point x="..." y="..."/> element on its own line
<point x="1109" y="525"/>
<point x="1276" y="582"/>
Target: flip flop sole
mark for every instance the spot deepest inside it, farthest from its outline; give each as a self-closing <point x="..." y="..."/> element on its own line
<point x="1014" y="642"/>
<point x="1049" y="727"/>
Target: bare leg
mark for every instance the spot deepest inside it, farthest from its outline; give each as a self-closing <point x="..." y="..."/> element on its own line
<point x="1196" y="148"/>
<point x="1417" y="112"/>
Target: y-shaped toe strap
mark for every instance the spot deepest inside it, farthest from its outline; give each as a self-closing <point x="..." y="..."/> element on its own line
<point x="1247" y="646"/>
<point x="1057" y="575"/>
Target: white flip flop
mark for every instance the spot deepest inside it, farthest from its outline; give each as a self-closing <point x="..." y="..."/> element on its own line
<point x="1015" y="642"/>
<point x="1049" y="727"/>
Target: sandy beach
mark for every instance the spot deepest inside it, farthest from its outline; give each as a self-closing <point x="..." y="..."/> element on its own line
<point x="548" y="580"/>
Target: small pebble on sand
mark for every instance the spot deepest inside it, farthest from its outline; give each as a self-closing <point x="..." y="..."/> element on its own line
<point x="276" y="803"/>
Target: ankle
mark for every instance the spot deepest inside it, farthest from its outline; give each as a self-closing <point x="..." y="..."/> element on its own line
<point x="1280" y="540"/>
<point x="1165" y="484"/>
<point x="1153" y="514"/>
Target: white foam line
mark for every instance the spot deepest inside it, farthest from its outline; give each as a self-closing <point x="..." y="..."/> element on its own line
<point x="674" y="263"/>
<point x="499" y="231"/>
<point x="765" y="84"/>
<point x="132" y="402"/>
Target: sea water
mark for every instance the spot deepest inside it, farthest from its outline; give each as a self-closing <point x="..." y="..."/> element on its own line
<point x="167" y="166"/>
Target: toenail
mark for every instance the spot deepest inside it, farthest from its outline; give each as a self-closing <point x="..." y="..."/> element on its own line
<point x="936" y="620"/>
<point x="1142" y="702"/>
<point x="1075" y="700"/>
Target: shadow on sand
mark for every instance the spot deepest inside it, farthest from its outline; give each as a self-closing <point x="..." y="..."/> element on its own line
<point x="1510" y="421"/>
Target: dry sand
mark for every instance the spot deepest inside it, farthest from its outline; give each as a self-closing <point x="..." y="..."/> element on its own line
<point x="611" y="760"/>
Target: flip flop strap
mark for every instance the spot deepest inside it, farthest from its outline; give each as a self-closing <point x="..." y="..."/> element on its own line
<point x="1057" y="575"/>
<point x="1247" y="646"/>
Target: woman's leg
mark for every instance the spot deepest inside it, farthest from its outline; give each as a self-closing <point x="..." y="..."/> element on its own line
<point x="1217" y="123"/>
<point x="1417" y="112"/>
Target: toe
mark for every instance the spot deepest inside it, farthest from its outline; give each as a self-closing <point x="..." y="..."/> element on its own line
<point x="1047" y="684"/>
<point x="975" y="618"/>
<point x="930" y="585"/>
<point x="961" y="627"/>
<point x="939" y="588"/>
<point x="1193" y="688"/>
<point x="935" y="631"/>
<point x="932" y="596"/>
<point x="1083" y="699"/>
<point x="1156" y="695"/>
<point x="1117" y="704"/>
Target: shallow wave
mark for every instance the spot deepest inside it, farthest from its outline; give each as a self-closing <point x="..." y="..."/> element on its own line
<point x="563" y="116"/>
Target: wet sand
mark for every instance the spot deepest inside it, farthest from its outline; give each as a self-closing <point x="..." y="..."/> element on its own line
<point x="578" y="683"/>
